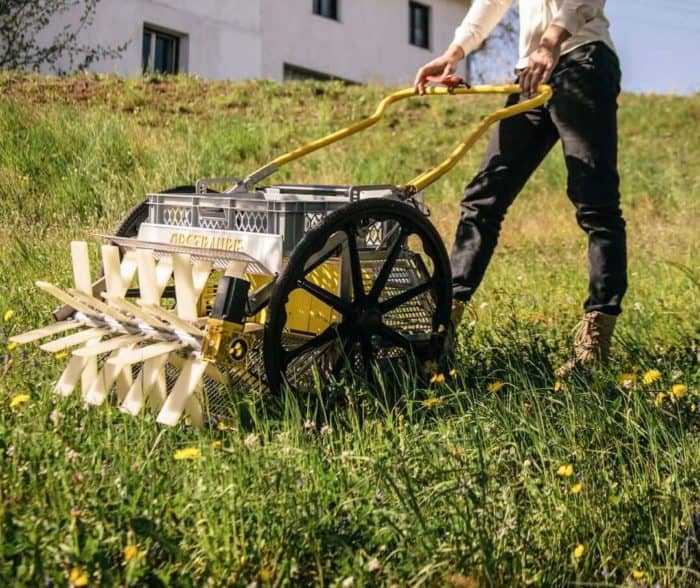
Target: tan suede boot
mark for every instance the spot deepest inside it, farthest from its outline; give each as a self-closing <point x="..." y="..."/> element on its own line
<point x="592" y="339"/>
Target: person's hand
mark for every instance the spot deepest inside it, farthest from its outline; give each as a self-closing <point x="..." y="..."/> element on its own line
<point x="540" y="65"/>
<point x="442" y="66"/>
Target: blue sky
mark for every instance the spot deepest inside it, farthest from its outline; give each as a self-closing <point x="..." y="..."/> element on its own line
<point x="658" y="42"/>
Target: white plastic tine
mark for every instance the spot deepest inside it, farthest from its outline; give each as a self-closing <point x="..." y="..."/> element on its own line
<point x="148" y="283"/>
<point x="66" y="298"/>
<point x="112" y="270"/>
<point x="217" y="375"/>
<point x="164" y="270"/>
<point x="124" y="379"/>
<point x="109" y="345"/>
<point x="37" y="334"/>
<point x="193" y="407"/>
<point x="113" y="371"/>
<point x="185" y="294"/>
<point x="200" y="274"/>
<point x="173" y="319"/>
<point x="87" y="378"/>
<point x="133" y="356"/>
<point x="136" y="311"/>
<point x="175" y="403"/>
<point x="70" y="376"/>
<point x="146" y="385"/>
<point x="72" y="340"/>
<point x="100" y="306"/>
<point x="80" y="257"/>
<point x="159" y="392"/>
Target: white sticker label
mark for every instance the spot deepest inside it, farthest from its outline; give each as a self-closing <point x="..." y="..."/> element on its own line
<point x="263" y="247"/>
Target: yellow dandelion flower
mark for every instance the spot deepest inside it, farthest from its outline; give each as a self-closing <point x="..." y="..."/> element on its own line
<point x="187" y="453"/>
<point x="8" y="315"/>
<point x="565" y="471"/>
<point x="18" y="400"/>
<point x="557" y="386"/>
<point x="626" y="380"/>
<point x="678" y="391"/>
<point x="221" y="426"/>
<point x="432" y="402"/>
<point x="659" y="399"/>
<point x="638" y="575"/>
<point x="61" y="355"/>
<point x="576" y="488"/>
<point x="216" y="444"/>
<point x="437" y="379"/>
<point x="78" y="578"/>
<point x="494" y="387"/>
<point x="579" y="551"/>
<point x="11" y="345"/>
<point x="130" y="552"/>
<point x="453" y="373"/>
<point x="693" y="407"/>
<point x="651" y="377"/>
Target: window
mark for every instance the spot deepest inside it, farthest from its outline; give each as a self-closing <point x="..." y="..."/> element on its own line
<point x="419" y="25"/>
<point x="295" y="72"/>
<point x="327" y="8"/>
<point x="160" y="52"/>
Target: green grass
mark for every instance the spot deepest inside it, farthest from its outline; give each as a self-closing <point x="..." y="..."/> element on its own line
<point x="455" y="485"/>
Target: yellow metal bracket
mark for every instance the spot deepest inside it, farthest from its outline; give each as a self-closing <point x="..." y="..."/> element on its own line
<point x="420" y="182"/>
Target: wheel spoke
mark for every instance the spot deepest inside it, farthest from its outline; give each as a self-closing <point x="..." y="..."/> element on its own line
<point x="328" y="335"/>
<point x="394" y="336"/>
<point x="325" y="296"/>
<point x="328" y="250"/>
<point x="405" y="296"/>
<point x="367" y="355"/>
<point x="389" y="263"/>
<point x="358" y="288"/>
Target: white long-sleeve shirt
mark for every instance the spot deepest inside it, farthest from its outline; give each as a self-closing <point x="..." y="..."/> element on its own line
<point x="583" y="19"/>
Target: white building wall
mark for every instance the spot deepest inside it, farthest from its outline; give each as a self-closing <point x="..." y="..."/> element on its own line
<point x="239" y="39"/>
<point x="369" y="42"/>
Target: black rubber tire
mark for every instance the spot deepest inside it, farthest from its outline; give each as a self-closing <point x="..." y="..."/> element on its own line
<point x="364" y="316"/>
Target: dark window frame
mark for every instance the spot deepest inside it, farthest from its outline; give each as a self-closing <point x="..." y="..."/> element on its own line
<point x="419" y="17"/>
<point x="327" y="9"/>
<point x="155" y="34"/>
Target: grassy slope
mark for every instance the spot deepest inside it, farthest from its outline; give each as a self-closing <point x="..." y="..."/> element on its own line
<point x="457" y="489"/>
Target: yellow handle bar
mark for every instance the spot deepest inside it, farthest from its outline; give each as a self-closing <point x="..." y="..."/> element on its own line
<point x="544" y="92"/>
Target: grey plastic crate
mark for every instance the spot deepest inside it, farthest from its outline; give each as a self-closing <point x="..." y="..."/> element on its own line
<point x="286" y="210"/>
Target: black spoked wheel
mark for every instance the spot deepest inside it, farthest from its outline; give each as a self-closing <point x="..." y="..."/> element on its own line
<point x="367" y="292"/>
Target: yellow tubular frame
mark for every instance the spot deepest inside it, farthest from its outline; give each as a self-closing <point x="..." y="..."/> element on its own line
<point x="420" y="182"/>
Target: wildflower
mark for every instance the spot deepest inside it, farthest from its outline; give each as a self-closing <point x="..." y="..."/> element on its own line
<point x="638" y="575"/>
<point x="626" y="380"/>
<point x="309" y="425"/>
<point x="349" y="582"/>
<point x="650" y="377"/>
<point x="221" y="426"/>
<point x="18" y="400"/>
<point x="216" y="444"/>
<point x="130" y="552"/>
<point x="494" y="387"/>
<point x="659" y="399"/>
<point x="565" y="471"/>
<point x="8" y="315"/>
<point x="453" y="373"/>
<point x="576" y="488"/>
<point x="251" y="440"/>
<point x="61" y="355"/>
<point x="678" y="391"/>
<point x="78" y="578"/>
<point x="431" y="402"/>
<point x="557" y="386"/>
<point x="579" y="551"/>
<point x="326" y="430"/>
<point x="373" y="565"/>
<point x="187" y="453"/>
<point x="11" y="345"/>
<point x="437" y="379"/>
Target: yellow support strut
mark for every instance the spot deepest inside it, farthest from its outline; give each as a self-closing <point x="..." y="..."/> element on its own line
<point x="422" y="181"/>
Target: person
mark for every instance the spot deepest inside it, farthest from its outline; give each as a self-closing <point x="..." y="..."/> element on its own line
<point x="567" y="44"/>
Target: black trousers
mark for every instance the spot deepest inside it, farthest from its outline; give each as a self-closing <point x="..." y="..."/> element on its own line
<point x="583" y="114"/>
